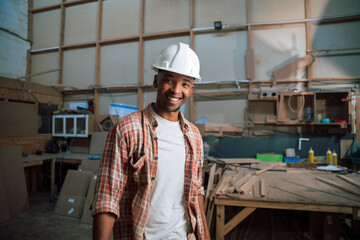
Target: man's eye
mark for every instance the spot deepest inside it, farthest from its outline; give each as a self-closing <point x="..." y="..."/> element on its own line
<point x="186" y="85"/>
<point x="168" y="81"/>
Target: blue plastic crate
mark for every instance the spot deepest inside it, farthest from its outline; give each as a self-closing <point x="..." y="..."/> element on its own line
<point x="291" y="159"/>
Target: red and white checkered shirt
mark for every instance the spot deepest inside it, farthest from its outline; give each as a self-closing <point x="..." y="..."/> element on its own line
<point x="128" y="170"/>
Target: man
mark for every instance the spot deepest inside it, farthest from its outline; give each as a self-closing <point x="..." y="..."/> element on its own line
<point x="150" y="184"/>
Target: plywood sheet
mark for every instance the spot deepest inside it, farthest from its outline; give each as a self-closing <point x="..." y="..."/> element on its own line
<point x="80" y="23"/>
<point x="18" y="119"/>
<point x="275" y="47"/>
<point x="46" y="29"/>
<point x="13" y="176"/>
<point x="42" y="63"/>
<point x="337" y="66"/>
<point x="4" y="207"/>
<point x="327" y="8"/>
<point x="97" y="142"/>
<point x="174" y="15"/>
<point x="120" y="18"/>
<point x="228" y="12"/>
<point x="276" y="10"/>
<point x="222" y="56"/>
<point x="79" y="68"/>
<point x="336" y="36"/>
<point x="120" y="64"/>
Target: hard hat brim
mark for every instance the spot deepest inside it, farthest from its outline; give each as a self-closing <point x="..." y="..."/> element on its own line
<point x="196" y="77"/>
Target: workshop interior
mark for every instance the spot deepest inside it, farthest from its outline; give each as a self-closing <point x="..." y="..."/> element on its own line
<point x="277" y="108"/>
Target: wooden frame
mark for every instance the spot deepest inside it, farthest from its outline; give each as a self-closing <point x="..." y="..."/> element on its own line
<point x="191" y="32"/>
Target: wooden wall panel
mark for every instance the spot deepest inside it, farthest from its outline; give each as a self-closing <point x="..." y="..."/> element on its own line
<point x="120" y="18"/>
<point x="28" y="144"/>
<point x="46" y="29"/>
<point x="45" y="62"/>
<point x="275" y="47"/>
<point x="327" y="8"/>
<point x="228" y="12"/>
<point x="165" y="15"/>
<point x="80" y="23"/>
<point x="222" y="56"/>
<point x="336" y="36"/>
<point x="276" y="10"/>
<point x="79" y="67"/>
<point x="44" y="3"/>
<point x="120" y="64"/>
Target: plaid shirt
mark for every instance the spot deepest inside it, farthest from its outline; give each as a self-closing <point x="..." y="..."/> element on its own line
<point x="128" y="169"/>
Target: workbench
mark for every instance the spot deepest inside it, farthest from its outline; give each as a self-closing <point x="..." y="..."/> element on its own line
<point x="64" y="157"/>
<point x="288" y="189"/>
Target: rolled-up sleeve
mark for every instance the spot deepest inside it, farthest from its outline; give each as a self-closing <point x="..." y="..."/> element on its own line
<point x="201" y="190"/>
<point x="113" y="175"/>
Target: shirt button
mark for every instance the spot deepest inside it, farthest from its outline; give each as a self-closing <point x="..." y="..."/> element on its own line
<point x="155" y="138"/>
<point x="156" y="158"/>
<point x="152" y="179"/>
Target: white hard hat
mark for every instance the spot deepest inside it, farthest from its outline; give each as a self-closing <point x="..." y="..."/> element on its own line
<point x="179" y="58"/>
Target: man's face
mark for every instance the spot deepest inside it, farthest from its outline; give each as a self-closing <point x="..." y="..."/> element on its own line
<point x="173" y="90"/>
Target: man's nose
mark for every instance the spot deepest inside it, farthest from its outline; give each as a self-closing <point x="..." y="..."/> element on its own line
<point x="176" y="87"/>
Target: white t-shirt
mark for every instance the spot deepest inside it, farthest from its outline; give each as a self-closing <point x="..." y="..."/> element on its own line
<point x="167" y="214"/>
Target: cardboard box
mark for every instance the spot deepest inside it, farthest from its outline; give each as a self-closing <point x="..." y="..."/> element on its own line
<point x="4" y="207"/>
<point x="97" y="142"/>
<point x="90" y="166"/>
<point x="13" y="178"/>
<point x="18" y="119"/>
<point x="73" y="193"/>
<point x="86" y="215"/>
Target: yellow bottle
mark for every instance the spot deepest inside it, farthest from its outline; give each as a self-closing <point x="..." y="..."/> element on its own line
<point x="311" y="155"/>
<point x="328" y="156"/>
<point x="334" y="158"/>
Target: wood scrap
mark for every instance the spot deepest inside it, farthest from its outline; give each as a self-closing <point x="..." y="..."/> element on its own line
<point x="349" y="180"/>
<point x="262" y="188"/>
<point x="210" y="184"/>
<point x="239" y="160"/>
<point x="334" y="184"/>
<point x="238" y="183"/>
<point x="267" y="168"/>
<point x="248" y="185"/>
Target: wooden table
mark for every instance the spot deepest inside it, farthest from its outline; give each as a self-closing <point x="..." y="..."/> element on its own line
<point x="288" y="190"/>
<point x="68" y="157"/>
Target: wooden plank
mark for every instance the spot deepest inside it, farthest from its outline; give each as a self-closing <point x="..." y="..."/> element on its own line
<point x="267" y="168"/>
<point x="284" y="205"/>
<point x="220" y="219"/>
<point x="262" y="188"/>
<point x="248" y="185"/>
<point x="250" y="65"/>
<point x="293" y="67"/>
<point x="240" y="182"/>
<point x="210" y="184"/>
<point x="239" y="160"/>
<point x="334" y="184"/>
<point x="238" y="219"/>
<point x="349" y="180"/>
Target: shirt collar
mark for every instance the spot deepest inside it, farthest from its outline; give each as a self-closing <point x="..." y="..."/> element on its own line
<point x="151" y="120"/>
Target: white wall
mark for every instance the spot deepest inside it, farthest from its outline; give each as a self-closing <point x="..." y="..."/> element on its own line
<point x="13" y="38"/>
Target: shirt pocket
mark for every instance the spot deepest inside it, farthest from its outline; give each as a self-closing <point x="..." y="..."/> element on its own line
<point x="138" y="169"/>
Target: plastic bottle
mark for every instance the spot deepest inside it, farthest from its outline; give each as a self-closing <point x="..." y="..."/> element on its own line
<point x="334" y="158"/>
<point x="311" y="155"/>
<point x="328" y="156"/>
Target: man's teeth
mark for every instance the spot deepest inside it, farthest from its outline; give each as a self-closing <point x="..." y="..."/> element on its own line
<point x="174" y="99"/>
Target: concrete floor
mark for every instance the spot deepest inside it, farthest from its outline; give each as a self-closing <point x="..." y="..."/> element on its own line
<point x="40" y="223"/>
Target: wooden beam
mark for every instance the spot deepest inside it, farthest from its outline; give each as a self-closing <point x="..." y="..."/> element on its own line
<point x="349" y="180"/>
<point x="238" y="219"/>
<point x="267" y="168"/>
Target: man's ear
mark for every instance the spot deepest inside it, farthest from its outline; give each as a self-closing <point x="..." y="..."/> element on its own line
<point x="155" y="83"/>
